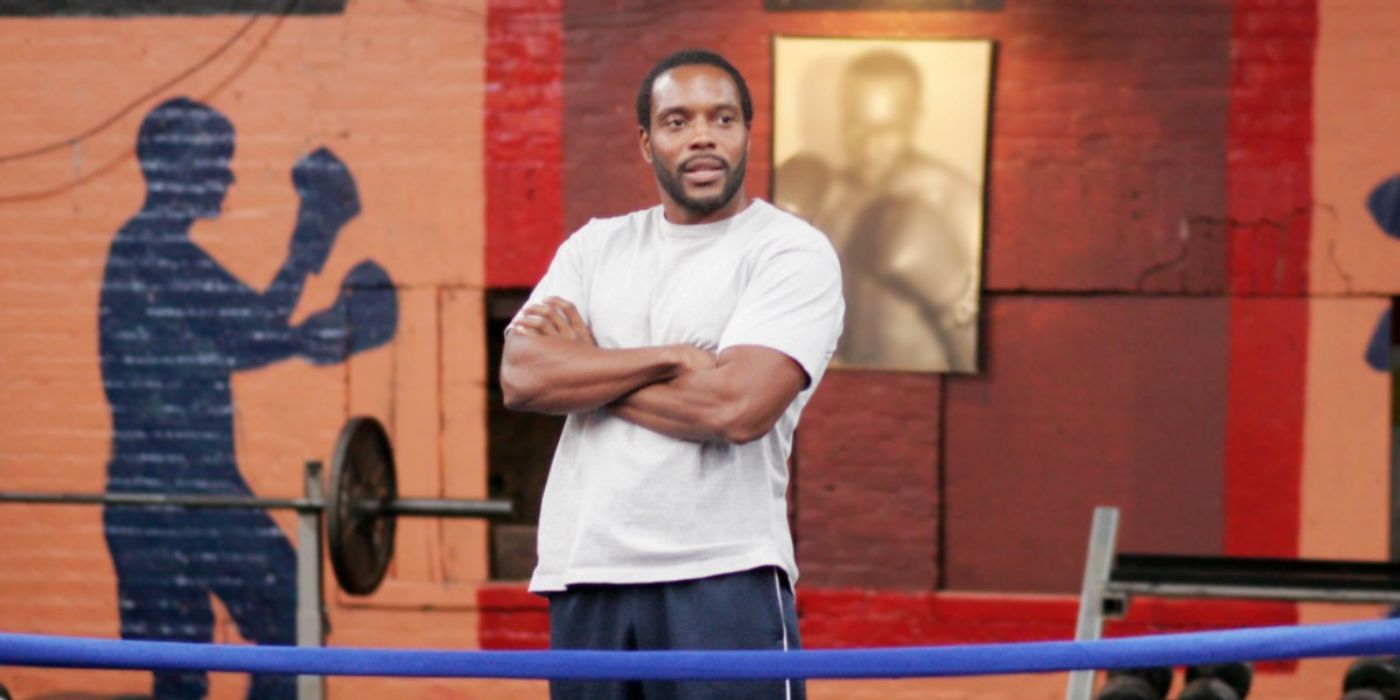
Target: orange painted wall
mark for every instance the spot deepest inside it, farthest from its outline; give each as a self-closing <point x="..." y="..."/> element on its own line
<point x="396" y="90"/>
<point x="1346" y="453"/>
<point x="1354" y="269"/>
<point x="1355" y="114"/>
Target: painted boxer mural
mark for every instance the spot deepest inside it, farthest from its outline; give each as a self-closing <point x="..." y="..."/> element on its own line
<point x="1384" y="204"/>
<point x="174" y="326"/>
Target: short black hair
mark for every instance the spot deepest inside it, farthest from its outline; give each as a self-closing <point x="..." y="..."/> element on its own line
<point x="690" y="57"/>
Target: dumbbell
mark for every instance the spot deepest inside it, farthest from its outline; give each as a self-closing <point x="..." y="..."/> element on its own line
<point x="1218" y="682"/>
<point x="1364" y="694"/>
<point x="1137" y="684"/>
<point x="1372" y="679"/>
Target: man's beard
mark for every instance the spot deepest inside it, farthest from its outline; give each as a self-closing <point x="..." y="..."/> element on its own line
<point x="672" y="183"/>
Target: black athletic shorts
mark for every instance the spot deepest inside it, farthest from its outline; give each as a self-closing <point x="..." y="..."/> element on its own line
<point x="746" y="610"/>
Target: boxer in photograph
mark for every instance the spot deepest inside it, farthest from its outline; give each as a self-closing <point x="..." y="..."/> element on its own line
<point x="899" y="219"/>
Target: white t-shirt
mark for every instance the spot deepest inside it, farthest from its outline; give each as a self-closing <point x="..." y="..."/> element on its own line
<point x="624" y="504"/>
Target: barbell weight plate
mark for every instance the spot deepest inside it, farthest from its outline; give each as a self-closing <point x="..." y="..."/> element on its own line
<point x="1127" y="688"/>
<point x="1208" y="688"/>
<point x="361" y="542"/>
<point x="1238" y="675"/>
<point x="1364" y="694"/>
<point x="1159" y="678"/>
<point x="1374" y="673"/>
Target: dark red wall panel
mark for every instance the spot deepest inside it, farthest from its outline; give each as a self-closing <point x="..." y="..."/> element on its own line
<point x="1085" y="401"/>
<point x="1108" y="138"/>
<point x="868" y="503"/>
<point x="1108" y="167"/>
<point x="1107" y="172"/>
<point x="1108" y="175"/>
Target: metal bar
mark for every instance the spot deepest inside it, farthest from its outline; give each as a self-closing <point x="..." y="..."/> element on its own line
<point x="444" y="508"/>
<point x="1103" y="537"/>
<point x="311" y="628"/>
<point x="1179" y="590"/>
<point x="426" y="507"/>
<point x="192" y="500"/>
<point x="1267" y="571"/>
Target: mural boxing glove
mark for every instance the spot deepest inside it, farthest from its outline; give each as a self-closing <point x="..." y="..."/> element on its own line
<point x="329" y="199"/>
<point x="364" y="316"/>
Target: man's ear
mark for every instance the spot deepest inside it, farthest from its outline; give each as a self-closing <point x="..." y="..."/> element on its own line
<point x="644" y="142"/>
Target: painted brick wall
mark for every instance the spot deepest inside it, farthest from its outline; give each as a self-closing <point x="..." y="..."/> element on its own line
<point x="396" y="91"/>
<point x="1354" y="255"/>
<point x="1107" y="190"/>
<point x="869" y="472"/>
<point x="1270" y="208"/>
<point x="1152" y="179"/>
<point x="524" y="139"/>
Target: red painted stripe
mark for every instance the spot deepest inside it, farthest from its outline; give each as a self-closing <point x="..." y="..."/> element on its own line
<point x="512" y="618"/>
<point x="1264" y="437"/>
<point x="1269" y="200"/>
<point x="524" y="139"/>
<point x="834" y="618"/>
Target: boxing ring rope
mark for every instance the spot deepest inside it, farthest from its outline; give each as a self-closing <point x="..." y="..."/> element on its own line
<point x="1370" y="638"/>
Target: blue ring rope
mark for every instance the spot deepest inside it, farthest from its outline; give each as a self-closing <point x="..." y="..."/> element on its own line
<point x="1371" y="638"/>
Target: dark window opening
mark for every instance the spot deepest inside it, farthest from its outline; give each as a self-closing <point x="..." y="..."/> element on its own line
<point x="1384" y="355"/>
<point x="519" y="449"/>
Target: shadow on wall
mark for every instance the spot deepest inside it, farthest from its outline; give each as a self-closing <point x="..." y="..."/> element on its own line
<point x="174" y="326"/>
<point x="1384" y="204"/>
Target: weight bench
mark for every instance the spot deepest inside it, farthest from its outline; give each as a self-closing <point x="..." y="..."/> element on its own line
<point x="1111" y="579"/>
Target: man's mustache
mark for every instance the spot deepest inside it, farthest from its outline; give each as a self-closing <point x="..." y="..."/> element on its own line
<point x="689" y="163"/>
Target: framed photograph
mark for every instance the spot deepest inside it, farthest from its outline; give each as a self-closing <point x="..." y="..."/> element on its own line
<point x="882" y="145"/>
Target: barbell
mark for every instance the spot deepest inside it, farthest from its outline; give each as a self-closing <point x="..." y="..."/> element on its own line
<point x="361" y="507"/>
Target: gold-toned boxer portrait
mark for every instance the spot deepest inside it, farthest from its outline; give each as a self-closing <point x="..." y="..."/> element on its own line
<point x="882" y="144"/>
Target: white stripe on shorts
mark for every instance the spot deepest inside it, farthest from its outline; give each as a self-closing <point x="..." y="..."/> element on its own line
<point x="782" y="618"/>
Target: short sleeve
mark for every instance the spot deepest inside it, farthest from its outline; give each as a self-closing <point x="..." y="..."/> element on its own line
<point x="563" y="279"/>
<point x="792" y="304"/>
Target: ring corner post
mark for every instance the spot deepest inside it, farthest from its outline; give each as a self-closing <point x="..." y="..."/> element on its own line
<point x="1103" y="536"/>
<point x="310" y="614"/>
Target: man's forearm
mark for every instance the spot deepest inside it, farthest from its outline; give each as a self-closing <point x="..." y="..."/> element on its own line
<point x="737" y="401"/>
<point x="550" y="375"/>
<point x="678" y="429"/>
<point x="685" y="408"/>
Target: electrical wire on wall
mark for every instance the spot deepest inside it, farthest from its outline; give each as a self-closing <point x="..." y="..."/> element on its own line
<point x="75" y="141"/>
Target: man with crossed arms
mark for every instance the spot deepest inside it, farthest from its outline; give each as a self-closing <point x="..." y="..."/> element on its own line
<point x="682" y="341"/>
